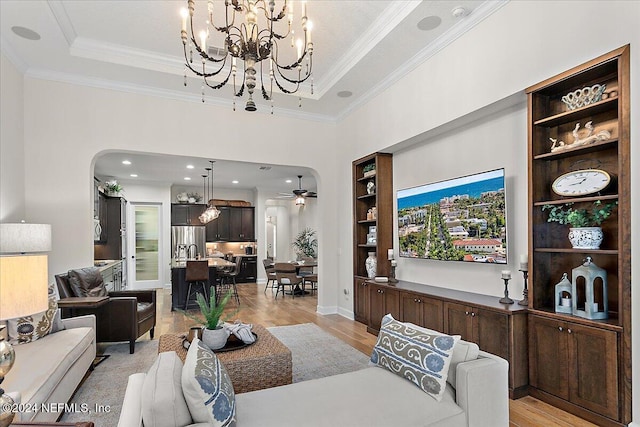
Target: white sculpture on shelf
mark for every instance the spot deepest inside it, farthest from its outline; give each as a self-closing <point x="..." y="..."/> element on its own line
<point x="589" y="138"/>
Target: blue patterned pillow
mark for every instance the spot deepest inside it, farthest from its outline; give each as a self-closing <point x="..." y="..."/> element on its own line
<point x="419" y="356"/>
<point x="207" y="387"/>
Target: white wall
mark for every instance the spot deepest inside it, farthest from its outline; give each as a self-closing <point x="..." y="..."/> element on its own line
<point x="12" y="205"/>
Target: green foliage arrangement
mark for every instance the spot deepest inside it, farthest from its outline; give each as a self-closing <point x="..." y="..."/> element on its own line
<point x="210" y="310"/>
<point x="369" y="167"/>
<point x="306" y="244"/>
<point x="566" y="214"/>
<point x="112" y="187"/>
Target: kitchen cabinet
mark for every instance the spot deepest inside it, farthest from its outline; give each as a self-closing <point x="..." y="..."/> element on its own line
<point x="235" y="224"/>
<point x="361" y="299"/>
<point x="100" y="218"/>
<point x="248" y="270"/>
<point x="382" y="300"/>
<point x="242" y="224"/>
<point x="114" y="247"/>
<point x="576" y="363"/>
<point x="421" y="310"/>
<point x="186" y="214"/>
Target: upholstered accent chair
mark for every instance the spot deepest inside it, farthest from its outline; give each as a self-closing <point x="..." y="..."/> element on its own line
<point x="126" y="316"/>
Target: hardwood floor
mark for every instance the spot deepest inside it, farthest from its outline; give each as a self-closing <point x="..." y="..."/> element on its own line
<point x="262" y="308"/>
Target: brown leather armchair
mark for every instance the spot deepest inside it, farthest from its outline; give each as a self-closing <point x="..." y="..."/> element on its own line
<point x="126" y="316"/>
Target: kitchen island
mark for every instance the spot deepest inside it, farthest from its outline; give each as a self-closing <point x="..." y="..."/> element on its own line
<point x="179" y="286"/>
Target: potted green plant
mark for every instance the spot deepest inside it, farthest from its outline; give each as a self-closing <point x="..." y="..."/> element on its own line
<point x="306" y="244"/>
<point x="585" y="231"/>
<point x="113" y="188"/>
<point x="369" y="169"/>
<point x="214" y="335"/>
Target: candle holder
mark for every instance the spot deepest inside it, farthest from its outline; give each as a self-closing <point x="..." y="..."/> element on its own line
<point x="392" y="274"/>
<point x="506" y="299"/>
<point x="525" y="292"/>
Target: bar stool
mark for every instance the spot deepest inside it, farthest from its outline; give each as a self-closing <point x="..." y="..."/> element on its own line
<point x="197" y="275"/>
<point x="228" y="280"/>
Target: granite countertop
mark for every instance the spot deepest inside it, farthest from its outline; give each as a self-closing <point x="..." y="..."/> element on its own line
<point x="105" y="264"/>
<point x="213" y="262"/>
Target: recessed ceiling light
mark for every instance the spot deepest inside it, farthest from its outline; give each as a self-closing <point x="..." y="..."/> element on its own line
<point x="235" y="181"/>
<point x="126" y="162"/>
<point x="187" y="178"/>
<point x="429" y="23"/>
<point x="189" y="166"/>
<point x="345" y="93"/>
<point x="459" y="12"/>
<point x="288" y="181"/>
<point x="134" y="175"/>
<point x="25" y="33"/>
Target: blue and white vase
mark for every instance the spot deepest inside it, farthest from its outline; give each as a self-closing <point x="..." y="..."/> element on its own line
<point x="371" y="264"/>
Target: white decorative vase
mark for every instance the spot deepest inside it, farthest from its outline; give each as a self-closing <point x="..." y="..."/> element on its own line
<point x="371" y="264"/>
<point x="586" y="237"/>
<point x="215" y="338"/>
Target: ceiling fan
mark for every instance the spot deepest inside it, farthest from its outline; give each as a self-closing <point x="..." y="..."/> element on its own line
<point x="298" y="192"/>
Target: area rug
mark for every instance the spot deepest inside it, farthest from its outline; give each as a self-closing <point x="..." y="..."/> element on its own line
<point x="315" y="354"/>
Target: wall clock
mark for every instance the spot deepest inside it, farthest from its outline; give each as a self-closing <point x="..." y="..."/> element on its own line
<point x="581" y="182"/>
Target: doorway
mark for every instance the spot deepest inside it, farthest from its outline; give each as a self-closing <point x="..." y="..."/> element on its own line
<point x="145" y="246"/>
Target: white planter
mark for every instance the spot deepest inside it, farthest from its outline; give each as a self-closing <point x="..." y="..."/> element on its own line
<point x="215" y="338"/>
<point x="586" y="237"/>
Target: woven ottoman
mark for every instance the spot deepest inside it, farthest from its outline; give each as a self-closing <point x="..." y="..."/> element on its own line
<point x="264" y="364"/>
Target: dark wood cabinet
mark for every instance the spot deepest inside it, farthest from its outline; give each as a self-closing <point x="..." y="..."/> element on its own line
<point x="186" y="214"/>
<point x="422" y="310"/>
<point x="235" y="224"/>
<point x="100" y="223"/>
<point x="576" y="363"/>
<point x="113" y="246"/>
<point x="248" y="270"/>
<point x="586" y="371"/>
<point x="497" y="328"/>
<point x="382" y="300"/>
<point x="372" y="210"/>
<point x="242" y="224"/>
<point x="361" y="299"/>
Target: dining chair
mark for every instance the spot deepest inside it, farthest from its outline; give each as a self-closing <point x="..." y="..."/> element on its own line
<point x="312" y="279"/>
<point x="286" y="276"/>
<point x="270" y="269"/>
<point x="304" y="270"/>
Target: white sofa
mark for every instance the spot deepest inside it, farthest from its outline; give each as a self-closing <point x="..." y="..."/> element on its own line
<point x="370" y="397"/>
<point x="50" y="369"/>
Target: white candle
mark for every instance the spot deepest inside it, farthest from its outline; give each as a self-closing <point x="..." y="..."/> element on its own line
<point x="184" y="13"/>
<point x="309" y="27"/>
<point x="394" y="263"/>
<point x="595" y="307"/>
<point x="203" y="41"/>
<point x="506" y="274"/>
<point x="390" y="254"/>
<point x="299" y="46"/>
<point x="566" y="302"/>
<point x="304" y="8"/>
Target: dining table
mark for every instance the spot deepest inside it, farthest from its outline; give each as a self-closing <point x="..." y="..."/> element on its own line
<point x="298" y="264"/>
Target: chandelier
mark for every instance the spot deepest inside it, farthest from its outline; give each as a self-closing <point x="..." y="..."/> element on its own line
<point x="210" y="212"/>
<point x="248" y="34"/>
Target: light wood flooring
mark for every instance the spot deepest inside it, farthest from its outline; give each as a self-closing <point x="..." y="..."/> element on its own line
<point x="259" y="307"/>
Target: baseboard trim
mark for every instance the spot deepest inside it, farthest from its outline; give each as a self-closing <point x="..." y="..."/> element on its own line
<point x="346" y="313"/>
<point x="327" y="310"/>
<point x="634" y="424"/>
<point x="261" y="281"/>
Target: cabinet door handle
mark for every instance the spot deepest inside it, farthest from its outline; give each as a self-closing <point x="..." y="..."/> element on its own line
<point x="569" y="330"/>
<point x="466" y="313"/>
<point x="419" y="301"/>
<point x="473" y="314"/>
<point x="560" y="328"/>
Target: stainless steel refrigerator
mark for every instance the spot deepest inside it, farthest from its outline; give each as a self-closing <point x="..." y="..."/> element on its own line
<point x="187" y="241"/>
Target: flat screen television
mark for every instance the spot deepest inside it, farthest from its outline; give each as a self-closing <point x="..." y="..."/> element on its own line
<point x="460" y="219"/>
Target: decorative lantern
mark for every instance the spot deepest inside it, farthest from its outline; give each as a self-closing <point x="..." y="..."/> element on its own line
<point x="564" y="294"/>
<point x="592" y="302"/>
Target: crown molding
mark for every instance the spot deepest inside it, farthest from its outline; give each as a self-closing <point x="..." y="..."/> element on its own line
<point x="377" y="31"/>
<point x="62" y="18"/>
<point x="466" y="24"/>
<point x="81" y="80"/>
<point x="9" y="52"/>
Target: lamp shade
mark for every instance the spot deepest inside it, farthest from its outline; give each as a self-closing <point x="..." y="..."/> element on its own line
<point x="18" y="238"/>
<point x="23" y="285"/>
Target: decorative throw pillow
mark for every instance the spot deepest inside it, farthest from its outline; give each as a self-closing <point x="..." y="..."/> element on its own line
<point x="87" y="282"/>
<point x="422" y="358"/>
<point x="163" y="403"/>
<point x="207" y="387"/>
<point x="30" y="328"/>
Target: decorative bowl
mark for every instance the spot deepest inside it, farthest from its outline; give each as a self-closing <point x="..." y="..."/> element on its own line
<point x="583" y="97"/>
